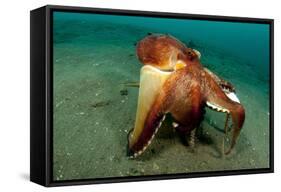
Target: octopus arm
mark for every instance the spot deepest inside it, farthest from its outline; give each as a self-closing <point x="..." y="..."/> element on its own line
<point x="218" y="100"/>
<point x="148" y="117"/>
<point x="225" y="85"/>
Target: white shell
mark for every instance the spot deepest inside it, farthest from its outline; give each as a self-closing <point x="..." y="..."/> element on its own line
<point x="233" y="97"/>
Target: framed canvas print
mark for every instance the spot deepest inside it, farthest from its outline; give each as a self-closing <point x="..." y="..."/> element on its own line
<point x="120" y="95"/>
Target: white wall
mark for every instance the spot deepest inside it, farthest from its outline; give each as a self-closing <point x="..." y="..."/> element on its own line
<point x="14" y="93"/>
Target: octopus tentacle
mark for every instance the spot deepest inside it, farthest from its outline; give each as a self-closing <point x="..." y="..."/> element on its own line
<point x="149" y="116"/>
<point x="153" y="122"/>
<point x="225" y="85"/>
<point x="238" y="116"/>
<point x="217" y="99"/>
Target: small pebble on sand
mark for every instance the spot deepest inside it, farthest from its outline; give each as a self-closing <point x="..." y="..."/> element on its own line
<point x="124" y="92"/>
<point x="155" y="166"/>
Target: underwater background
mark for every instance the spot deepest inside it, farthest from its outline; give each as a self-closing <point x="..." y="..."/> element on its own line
<point x="94" y="57"/>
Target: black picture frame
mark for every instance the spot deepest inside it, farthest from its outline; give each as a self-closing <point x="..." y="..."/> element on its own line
<point x="41" y="90"/>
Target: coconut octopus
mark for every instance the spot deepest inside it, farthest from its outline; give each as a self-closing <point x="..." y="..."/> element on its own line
<point x="174" y="81"/>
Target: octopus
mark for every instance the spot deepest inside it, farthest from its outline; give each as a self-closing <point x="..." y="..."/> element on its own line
<point x="172" y="80"/>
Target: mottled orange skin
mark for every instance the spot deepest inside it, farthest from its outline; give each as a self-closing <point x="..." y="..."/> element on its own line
<point x="185" y="92"/>
<point x="159" y="51"/>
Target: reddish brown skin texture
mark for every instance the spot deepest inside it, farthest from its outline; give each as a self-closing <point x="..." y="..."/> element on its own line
<point x="157" y="50"/>
<point x="185" y="92"/>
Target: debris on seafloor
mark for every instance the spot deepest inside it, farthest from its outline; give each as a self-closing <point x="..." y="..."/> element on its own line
<point x="124" y="92"/>
<point x="100" y="104"/>
<point x="132" y="84"/>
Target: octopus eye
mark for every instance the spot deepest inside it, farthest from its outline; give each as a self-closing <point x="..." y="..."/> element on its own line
<point x="189" y="53"/>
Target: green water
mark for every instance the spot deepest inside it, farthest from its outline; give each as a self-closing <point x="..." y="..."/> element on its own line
<point x="94" y="55"/>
